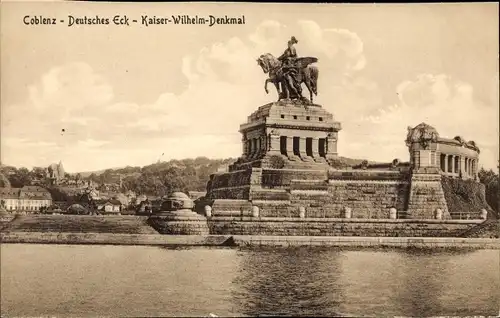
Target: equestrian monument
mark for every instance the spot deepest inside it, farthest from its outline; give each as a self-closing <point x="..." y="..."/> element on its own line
<point x="288" y="180"/>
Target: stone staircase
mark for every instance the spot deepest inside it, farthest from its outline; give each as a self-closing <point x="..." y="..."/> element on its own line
<point x="488" y="229"/>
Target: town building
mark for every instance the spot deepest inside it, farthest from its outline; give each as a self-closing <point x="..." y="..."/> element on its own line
<point x="55" y="173"/>
<point x="25" y="199"/>
<point x="109" y="206"/>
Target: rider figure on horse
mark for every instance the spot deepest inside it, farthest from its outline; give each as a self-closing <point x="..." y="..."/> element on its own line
<point x="289" y="67"/>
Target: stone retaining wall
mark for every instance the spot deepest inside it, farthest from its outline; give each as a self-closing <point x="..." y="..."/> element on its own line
<point x="366" y="242"/>
<point x="283" y="177"/>
<point x="338" y="227"/>
<point x="230" y="185"/>
<point x="367" y="198"/>
<point x="243" y="240"/>
<point x="112" y="239"/>
<point x="426" y="195"/>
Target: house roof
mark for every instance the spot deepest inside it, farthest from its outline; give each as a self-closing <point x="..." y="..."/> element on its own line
<point x="9" y="193"/>
<point x="115" y="202"/>
<point x="34" y="192"/>
<point x="26" y="192"/>
<point x="108" y="202"/>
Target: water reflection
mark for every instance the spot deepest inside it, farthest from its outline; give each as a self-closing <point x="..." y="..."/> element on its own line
<point x="421" y="283"/>
<point x="448" y="283"/>
<point x="312" y="282"/>
<point x="288" y="282"/>
<point x="145" y="281"/>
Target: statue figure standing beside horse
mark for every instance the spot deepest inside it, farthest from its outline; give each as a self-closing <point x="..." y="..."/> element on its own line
<point x="288" y="72"/>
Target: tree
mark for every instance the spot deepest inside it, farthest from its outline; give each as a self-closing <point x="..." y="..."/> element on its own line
<point x="490" y="180"/>
<point x="4" y="181"/>
<point x="20" y="178"/>
<point x="38" y="172"/>
<point x="93" y="177"/>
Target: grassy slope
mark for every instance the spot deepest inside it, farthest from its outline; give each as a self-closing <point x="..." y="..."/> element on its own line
<point x="80" y="224"/>
<point x="465" y="195"/>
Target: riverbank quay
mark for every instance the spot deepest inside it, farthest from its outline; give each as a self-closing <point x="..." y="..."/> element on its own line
<point x="245" y="240"/>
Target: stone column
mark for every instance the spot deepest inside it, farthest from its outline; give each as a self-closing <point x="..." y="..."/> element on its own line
<point x="446" y="164"/>
<point x="302" y="147"/>
<point x="331" y="145"/>
<point x="244" y="146"/>
<point x="461" y="166"/>
<point x="289" y="146"/>
<point x="274" y="143"/>
<point x="474" y="168"/>
<point x="252" y="149"/>
<point x="315" y="147"/>
<point x="258" y="147"/>
<point x="452" y="164"/>
<point x="468" y="161"/>
<point x="249" y="147"/>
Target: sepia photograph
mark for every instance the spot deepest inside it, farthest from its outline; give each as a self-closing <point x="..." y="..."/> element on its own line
<point x="248" y="159"/>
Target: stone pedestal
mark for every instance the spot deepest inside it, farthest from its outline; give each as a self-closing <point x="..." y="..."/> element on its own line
<point x="271" y="130"/>
<point x="302" y="212"/>
<point x="347" y="213"/>
<point x="288" y="143"/>
<point x="393" y="213"/>
<point x="177" y="217"/>
<point x="438" y="214"/>
<point x="183" y="222"/>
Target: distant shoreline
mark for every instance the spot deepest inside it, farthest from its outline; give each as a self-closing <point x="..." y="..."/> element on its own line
<point x="244" y="240"/>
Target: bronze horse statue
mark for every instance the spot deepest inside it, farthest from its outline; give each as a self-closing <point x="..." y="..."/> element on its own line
<point x="307" y="74"/>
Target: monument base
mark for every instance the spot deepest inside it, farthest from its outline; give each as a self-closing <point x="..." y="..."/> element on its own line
<point x="177" y="217"/>
<point x="180" y="222"/>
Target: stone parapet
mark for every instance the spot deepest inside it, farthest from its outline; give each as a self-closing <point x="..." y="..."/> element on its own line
<point x="367" y="175"/>
<point x="339" y="227"/>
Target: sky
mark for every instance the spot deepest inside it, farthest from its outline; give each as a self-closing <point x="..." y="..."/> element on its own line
<point x="133" y="95"/>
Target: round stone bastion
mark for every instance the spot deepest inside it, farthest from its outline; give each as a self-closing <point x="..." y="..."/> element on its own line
<point x="176" y="217"/>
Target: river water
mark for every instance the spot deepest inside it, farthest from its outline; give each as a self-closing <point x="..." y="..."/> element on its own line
<point x="79" y="280"/>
